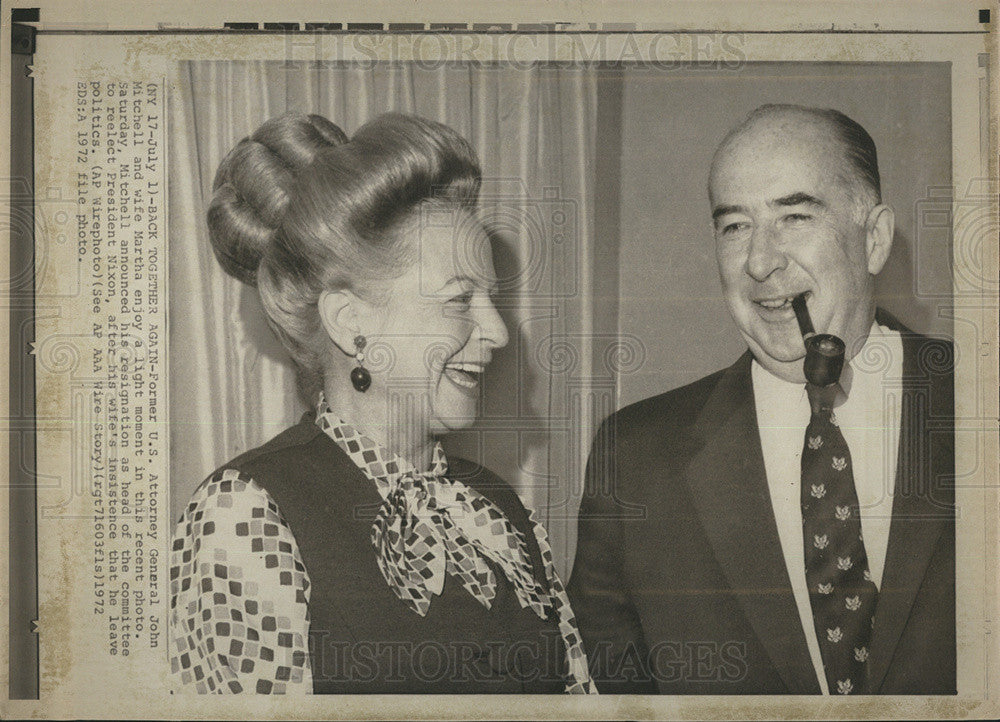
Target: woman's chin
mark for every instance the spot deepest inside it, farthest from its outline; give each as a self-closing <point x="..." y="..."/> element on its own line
<point x="455" y="407"/>
<point x="454" y="416"/>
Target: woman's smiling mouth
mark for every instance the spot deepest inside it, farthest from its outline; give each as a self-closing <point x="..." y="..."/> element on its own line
<point x="464" y="373"/>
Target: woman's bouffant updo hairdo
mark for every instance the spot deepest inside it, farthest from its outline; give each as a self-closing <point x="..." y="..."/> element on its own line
<point x="299" y="209"/>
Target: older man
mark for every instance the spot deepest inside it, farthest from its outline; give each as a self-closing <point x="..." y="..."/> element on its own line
<point x="739" y="535"/>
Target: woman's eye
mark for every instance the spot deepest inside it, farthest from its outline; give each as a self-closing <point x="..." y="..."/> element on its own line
<point x="464" y="299"/>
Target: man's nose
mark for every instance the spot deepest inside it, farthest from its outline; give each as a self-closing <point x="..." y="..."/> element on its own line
<point x="765" y="255"/>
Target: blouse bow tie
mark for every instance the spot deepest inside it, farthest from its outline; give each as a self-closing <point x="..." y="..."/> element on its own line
<point x="429" y="526"/>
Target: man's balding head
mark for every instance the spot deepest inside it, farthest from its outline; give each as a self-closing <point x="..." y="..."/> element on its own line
<point x="796" y="206"/>
<point x="827" y="128"/>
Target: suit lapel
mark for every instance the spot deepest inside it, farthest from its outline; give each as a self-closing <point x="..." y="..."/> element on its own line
<point x="729" y="487"/>
<point x="919" y="510"/>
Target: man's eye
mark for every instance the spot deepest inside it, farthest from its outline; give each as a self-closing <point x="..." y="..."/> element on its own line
<point x="798" y="217"/>
<point x="734" y="227"/>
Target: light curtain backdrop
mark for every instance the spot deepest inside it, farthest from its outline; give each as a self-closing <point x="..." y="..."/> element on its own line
<point x="618" y="301"/>
<point x="232" y="386"/>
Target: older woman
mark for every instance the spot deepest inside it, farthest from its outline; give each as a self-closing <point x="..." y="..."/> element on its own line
<point x="348" y="554"/>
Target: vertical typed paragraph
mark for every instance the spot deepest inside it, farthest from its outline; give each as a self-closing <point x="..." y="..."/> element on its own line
<point x="120" y="193"/>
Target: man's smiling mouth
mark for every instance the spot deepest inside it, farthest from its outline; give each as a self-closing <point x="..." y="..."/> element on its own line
<point x="779" y="303"/>
<point x="775" y="304"/>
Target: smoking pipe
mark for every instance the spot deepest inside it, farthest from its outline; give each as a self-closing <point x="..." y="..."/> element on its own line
<point x="824" y="352"/>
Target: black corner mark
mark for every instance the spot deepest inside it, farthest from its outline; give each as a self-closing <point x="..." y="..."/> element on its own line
<point x="984" y="15"/>
<point x="22" y="39"/>
<point x="24" y="15"/>
<point x="241" y="26"/>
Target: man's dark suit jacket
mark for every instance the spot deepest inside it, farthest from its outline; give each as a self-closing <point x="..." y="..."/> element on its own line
<point x="680" y="585"/>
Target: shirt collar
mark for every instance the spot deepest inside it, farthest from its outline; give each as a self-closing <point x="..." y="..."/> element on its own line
<point x="859" y="367"/>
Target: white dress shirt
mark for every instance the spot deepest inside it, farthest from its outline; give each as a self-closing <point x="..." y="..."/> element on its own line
<point x="867" y="410"/>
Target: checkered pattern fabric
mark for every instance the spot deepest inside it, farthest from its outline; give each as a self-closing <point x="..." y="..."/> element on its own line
<point x="239" y="593"/>
<point x="430" y="526"/>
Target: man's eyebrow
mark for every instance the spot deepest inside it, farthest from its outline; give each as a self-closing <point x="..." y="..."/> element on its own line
<point x="723" y="210"/>
<point x="796" y="199"/>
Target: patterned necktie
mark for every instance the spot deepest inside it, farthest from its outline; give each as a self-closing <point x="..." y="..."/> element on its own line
<point x="841" y="590"/>
<point x="430" y="526"/>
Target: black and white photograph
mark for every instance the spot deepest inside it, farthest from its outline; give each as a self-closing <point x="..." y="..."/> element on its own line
<point x="482" y="343"/>
<point x="418" y="361"/>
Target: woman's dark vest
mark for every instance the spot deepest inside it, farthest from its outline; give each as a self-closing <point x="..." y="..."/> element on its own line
<point x="363" y="639"/>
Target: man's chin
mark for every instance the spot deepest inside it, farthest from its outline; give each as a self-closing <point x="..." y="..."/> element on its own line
<point x="783" y="356"/>
<point x="783" y="360"/>
<point x="790" y="370"/>
<point x="778" y="348"/>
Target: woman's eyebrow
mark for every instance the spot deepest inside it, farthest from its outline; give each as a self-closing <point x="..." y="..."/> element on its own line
<point x="491" y="287"/>
<point x="456" y="279"/>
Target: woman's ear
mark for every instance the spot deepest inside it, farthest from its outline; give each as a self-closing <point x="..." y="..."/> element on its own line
<point x="879" y="229"/>
<point x="339" y="314"/>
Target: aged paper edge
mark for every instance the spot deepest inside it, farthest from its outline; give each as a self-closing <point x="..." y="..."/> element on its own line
<point x="916" y="18"/>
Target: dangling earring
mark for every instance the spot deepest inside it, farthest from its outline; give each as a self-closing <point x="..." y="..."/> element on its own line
<point x="359" y="374"/>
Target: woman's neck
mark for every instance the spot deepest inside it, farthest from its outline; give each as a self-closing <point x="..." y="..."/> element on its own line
<point x="398" y="423"/>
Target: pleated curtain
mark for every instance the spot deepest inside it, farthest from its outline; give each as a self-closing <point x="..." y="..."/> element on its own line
<point x="232" y="386"/>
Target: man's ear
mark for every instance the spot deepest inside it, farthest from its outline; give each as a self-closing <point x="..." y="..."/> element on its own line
<point x="879" y="229"/>
<point x="340" y="314"/>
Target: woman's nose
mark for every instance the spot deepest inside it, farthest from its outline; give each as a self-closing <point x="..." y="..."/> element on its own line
<point x="492" y="329"/>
